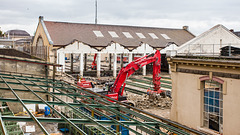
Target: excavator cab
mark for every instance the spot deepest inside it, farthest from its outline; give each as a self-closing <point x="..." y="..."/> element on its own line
<point x="114" y="95"/>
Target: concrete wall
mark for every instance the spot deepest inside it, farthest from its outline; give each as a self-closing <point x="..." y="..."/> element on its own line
<point x="187" y="102"/>
<point x="186" y="108"/>
<point x="20" y="67"/>
<point x="231" y="108"/>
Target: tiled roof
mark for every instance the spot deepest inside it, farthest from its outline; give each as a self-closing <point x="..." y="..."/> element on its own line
<point x="17" y="33"/>
<point x="63" y="33"/>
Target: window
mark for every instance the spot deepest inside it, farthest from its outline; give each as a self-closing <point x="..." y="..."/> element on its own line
<point x="127" y="34"/>
<point x="98" y="33"/>
<point x="140" y="35"/>
<point x="165" y="36"/>
<point x="113" y="34"/>
<point x="213" y="106"/>
<point x="40" y="49"/>
<point x="153" y="35"/>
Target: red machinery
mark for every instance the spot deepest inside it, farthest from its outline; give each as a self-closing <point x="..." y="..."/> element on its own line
<point x="115" y="90"/>
<point x="94" y="64"/>
<point x="82" y="81"/>
<point x="85" y="84"/>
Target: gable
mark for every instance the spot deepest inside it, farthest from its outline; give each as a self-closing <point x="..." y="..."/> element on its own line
<point x="215" y="38"/>
<point x="40" y="33"/>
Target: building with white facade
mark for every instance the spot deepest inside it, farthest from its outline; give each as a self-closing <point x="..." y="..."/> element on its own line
<point x="56" y="40"/>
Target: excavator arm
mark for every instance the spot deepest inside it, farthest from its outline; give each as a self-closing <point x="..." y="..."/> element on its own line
<point x="94" y="64"/>
<point x="132" y="67"/>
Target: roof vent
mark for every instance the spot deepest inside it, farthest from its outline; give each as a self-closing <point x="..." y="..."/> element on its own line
<point x="40" y="18"/>
<point x="185" y="28"/>
<point x="98" y="33"/>
<point x="232" y="30"/>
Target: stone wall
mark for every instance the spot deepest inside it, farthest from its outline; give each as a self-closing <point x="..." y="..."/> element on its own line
<point x="20" y="67"/>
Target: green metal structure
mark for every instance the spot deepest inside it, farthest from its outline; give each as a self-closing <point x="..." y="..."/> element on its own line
<point x="74" y="113"/>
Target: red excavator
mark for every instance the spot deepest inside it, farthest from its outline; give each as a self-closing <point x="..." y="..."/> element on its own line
<point x="94" y="64"/>
<point x="115" y="90"/>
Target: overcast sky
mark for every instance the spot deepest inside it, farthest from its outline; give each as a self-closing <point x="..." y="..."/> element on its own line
<point x="199" y="15"/>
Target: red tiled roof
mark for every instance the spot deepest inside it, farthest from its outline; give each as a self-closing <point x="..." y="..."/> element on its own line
<point x="63" y="33"/>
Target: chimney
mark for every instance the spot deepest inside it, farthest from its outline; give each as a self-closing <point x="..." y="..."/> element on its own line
<point x="232" y="30"/>
<point x="185" y="28"/>
<point x="40" y="18"/>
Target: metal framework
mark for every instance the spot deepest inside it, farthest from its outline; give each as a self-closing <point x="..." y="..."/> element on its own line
<point x="83" y="112"/>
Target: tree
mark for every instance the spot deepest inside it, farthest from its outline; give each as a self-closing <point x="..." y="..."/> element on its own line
<point x="1" y="33"/>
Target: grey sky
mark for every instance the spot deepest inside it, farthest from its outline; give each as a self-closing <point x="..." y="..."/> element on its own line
<point x="198" y="15"/>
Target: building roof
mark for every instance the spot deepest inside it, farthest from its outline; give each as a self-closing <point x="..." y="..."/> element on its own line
<point x="208" y="34"/>
<point x="17" y="33"/>
<point x="237" y="33"/>
<point x="16" y="53"/>
<point x="24" y="40"/>
<point x="64" y="33"/>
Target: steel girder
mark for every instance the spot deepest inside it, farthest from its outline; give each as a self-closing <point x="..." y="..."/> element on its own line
<point x="81" y="98"/>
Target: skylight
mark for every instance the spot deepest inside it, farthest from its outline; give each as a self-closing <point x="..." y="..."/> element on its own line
<point x="140" y="35"/>
<point x="165" y="36"/>
<point x="113" y="34"/>
<point x="153" y="35"/>
<point x="98" y="33"/>
<point x="127" y="34"/>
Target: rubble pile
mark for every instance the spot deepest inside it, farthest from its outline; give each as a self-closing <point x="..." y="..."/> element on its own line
<point x="149" y="102"/>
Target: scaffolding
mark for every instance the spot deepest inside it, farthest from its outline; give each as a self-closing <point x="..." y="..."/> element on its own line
<point x="80" y="110"/>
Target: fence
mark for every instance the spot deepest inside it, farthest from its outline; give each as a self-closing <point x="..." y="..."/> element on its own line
<point x="210" y="50"/>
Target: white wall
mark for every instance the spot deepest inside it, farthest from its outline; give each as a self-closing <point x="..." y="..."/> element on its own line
<point x="211" y="41"/>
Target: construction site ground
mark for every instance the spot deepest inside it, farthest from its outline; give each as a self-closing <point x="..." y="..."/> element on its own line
<point x="136" y="92"/>
<point x="157" y="109"/>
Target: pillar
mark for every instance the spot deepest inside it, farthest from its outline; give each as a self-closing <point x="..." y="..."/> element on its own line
<point x="115" y="65"/>
<point x="121" y="60"/>
<point x="81" y="63"/>
<point x="98" y="64"/>
<point x="61" y="61"/>
<point x="85" y="62"/>
<point x="110" y="61"/>
<point x="71" y="60"/>
<point x="144" y="67"/>
<point x="169" y="69"/>
<point x="130" y="57"/>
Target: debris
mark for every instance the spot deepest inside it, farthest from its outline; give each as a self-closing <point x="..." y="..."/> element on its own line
<point x="148" y="102"/>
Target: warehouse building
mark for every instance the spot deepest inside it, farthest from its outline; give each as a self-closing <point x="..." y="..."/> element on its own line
<point x="54" y="41"/>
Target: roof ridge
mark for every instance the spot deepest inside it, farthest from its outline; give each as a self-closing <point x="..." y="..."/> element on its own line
<point x="114" y="25"/>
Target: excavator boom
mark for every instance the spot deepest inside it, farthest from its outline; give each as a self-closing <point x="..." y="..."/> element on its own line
<point x="94" y="64"/>
<point x="132" y="67"/>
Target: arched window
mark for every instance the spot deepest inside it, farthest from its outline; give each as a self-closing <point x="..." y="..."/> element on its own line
<point x="40" y="50"/>
<point x="213" y="104"/>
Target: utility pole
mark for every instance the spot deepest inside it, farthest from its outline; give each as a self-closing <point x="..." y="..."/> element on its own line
<point x="95" y="11"/>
